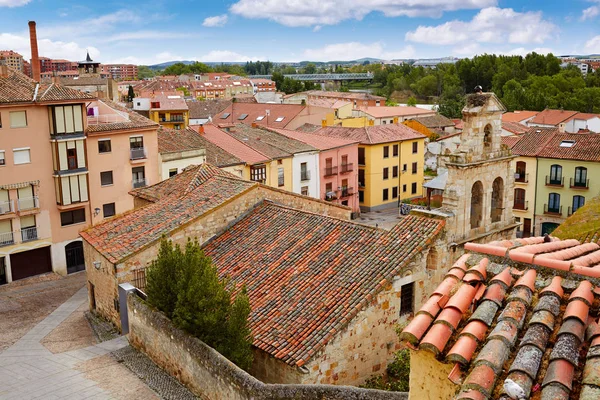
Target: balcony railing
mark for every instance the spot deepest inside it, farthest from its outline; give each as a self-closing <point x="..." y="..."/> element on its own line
<point x="6" y="238"/>
<point x="28" y="234"/>
<point x="521" y="205"/>
<point x="138" y="153"/>
<point x="28" y="203"/>
<point x="138" y="183"/>
<point x="521" y="178"/>
<point x="552" y="210"/>
<point x="330" y="171"/>
<point x="172" y="119"/>
<point x="305" y="176"/>
<point x="347" y="191"/>
<point x="7" y="207"/>
<point x="579" y="184"/>
<point x="329" y="196"/>
<point x="347" y="168"/>
<point x="555" y="182"/>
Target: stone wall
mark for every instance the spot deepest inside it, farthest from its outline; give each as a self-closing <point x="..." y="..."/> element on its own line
<point x="429" y="378"/>
<point x="210" y="375"/>
<point x="102" y="284"/>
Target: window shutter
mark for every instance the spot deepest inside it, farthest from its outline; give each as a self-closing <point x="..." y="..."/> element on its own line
<point x="21" y="156"/>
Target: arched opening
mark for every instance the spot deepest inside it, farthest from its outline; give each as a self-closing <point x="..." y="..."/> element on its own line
<point x="432" y="259"/>
<point x="476" y="205"/>
<point x="74" y="255"/>
<point x="487" y="137"/>
<point x="521" y="172"/>
<point x="497" y="200"/>
<point x="555" y="177"/>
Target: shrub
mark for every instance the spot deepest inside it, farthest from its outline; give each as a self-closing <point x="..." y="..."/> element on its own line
<point x="396" y="378"/>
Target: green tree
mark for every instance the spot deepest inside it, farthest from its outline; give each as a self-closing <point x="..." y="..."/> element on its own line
<point x="277" y="77"/>
<point x="426" y="86"/>
<point x="237" y="346"/>
<point x="310" y="68"/>
<point x="130" y="94"/>
<point x="162" y="277"/>
<point x="145" y="72"/>
<point x="514" y="95"/>
<point x="412" y="101"/>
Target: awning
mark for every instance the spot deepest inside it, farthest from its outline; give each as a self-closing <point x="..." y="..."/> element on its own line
<point x="19" y="185"/>
<point x="439" y="182"/>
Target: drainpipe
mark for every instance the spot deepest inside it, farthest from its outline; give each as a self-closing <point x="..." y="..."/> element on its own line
<point x="534" y="198"/>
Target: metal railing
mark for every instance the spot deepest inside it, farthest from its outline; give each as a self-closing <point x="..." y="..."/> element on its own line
<point x="28" y="234"/>
<point x="347" y="168"/>
<point x="27" y="203"/>
<point x="347" y="191"/>
<point x="553" y="210"/>
<point x="579" y="184"/>
<point x="138" y="183"/>
<point x="139" y="278"/>
<point x="138" y="153"/>
<point x="172" y="119"/>
<point x="521" y="178"/>
<point x="305" y="176"/>
<point x="7" y="207"/>
<point x="330" y="171"/>
<point x="6" y="238"/>
<point x="554" y="182"/>
<point x="521" y="205"/>
<point x="106" y="119"/>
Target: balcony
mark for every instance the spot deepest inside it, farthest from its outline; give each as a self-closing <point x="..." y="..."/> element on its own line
<point x="521" y="177"/>
<point x="138" y="183"/>
<point x="557" y="211"/>
<point x="347" y="191"/>
<point x="585" y="185"/>
<point x="28" y="203"/>
<point x="6" y="238"/>
<point x="305" y="176"/>
<point x="521" y="205"/>
<point x="330" y="196"/>
<point x="137" y="153"/>
<point x="29" y="234"/>
<point x="7" y="207"/>
<point x="172" y="119"/>
<point x="347" y="168"/>
<point x="330" y="171"/>
<point x="555" y="182"/>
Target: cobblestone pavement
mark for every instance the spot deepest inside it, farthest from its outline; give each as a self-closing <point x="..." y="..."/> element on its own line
<point x="28" y="370"/>
<point x="385" y="219"/>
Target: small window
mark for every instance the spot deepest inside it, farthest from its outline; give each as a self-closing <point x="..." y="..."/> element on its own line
<point x="395" y="150"/>
<point x="404" y="188"/>
<point x="280" y="177"/>
<point x="407" y="298"/>
<point x="72" y="217"/>
<point x="106" y="178"/>
<point x="413" y="188"/>
<point x="2" y="159"/>
<point x="386" y="173"/>
<point x="386" y="151"/>
<point x="225" y="115"/>
<point x="279" y="119"/>
<point x="404" y="167"/>
<point x="361" y="196"/>
<point x="395" y="171"/>
<point x="242" y="117"/>
<point x="104" y="146"/>
<point x="395" y="192"/>
<point x="386" y="194"/>
<point x="172" y="172"/>
<point x="18" y="119"/>
<point x="361" y="156"/>
<point x="304" y="190"/>
<point x="260" y="117"/>
<point x="21" y="156"/>
<point x="108" y="210"/>
<point x="414" y="168"/>
<point x="415" y="147"/>
<point x="567" y="143"/>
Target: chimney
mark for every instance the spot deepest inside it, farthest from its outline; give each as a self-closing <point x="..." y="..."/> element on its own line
<point x="201" y="129"/>
<point x="254" y="125"/>
<point x="3" y="71"/>
<point x="35" y="59"/>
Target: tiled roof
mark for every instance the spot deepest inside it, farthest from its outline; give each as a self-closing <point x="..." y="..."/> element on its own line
<point x="233" y="146"/>
<point x="19" y="88"/>
<point x="552" y="117"/>
<point x="434" y="121"/>
<point x="120" y="237"/>
<point x="252" y="111"/>
<point x="308" y="128"/>
<point x="206" y="109"/>
<point x="518" y="116"/>
<point x="515" y="127"/>
<point x="458" y="123"/>
<point x="510" y="141"/>
<point x="270" y="143"/>
<point x="182" y="183"/>
<point x="373" y="134"/>
<point x="169" y="103"/>
<point x="172" y="140"/>
<point x="83" y="81"/>
<point x="546" y="143"/>
<point x="136" y="120"/>
<point x="345" y="95"/>
<point x="327" y="103"/>
<point x="218" y="156"/>
<point x="521" y="310"/>
<point x="317" y="141"/>
<point x="398" y="111"/>
<point x="300" y="298"/>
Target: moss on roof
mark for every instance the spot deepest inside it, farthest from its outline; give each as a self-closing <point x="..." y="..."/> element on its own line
<point x="583" y="225"/>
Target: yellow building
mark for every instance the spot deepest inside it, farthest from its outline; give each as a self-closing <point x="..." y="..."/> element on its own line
<point x="169" y="111"/>
<point x="391" y="163"/>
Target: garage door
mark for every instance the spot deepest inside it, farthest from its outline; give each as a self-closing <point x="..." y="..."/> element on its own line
<point x="30" y="263"/>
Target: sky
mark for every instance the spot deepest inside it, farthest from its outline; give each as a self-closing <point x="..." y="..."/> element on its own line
<point x="156" y="31"/>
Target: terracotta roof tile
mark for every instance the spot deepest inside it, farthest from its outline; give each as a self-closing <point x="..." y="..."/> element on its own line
<point x="257" y="113"/>
<point x="552" y="117"/>
<point x="233" y="146"/>
<point x="316" y="141"/>
<point x="514" y="127"/>
<point x="373" y="134"/>
<point x="546" y="143"/>
<point x="518" y="116"/>
<point x="19" y="88"/>
<point x="206" y="109"/>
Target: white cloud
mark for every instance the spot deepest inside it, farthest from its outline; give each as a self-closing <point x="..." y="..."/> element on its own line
<point x="215" y="22"/>
<point x="226" y="56"/>
<point x="145" y="35"/>
<point x="354" y="51"/>
<point x="330" y="12"/>
<point x="521" y="51"/>
<point x="13" y="3"/>
<point x="590" y="13"/>
<point x="490" y="25"/>
<point x="47" y="47"/>
<point x="593" y="45"/>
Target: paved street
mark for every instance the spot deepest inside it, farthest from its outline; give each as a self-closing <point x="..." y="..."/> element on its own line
<point x="385" y="219"/>
<point x="41" y="365"/>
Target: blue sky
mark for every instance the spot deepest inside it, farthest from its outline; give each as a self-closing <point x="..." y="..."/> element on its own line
<point x="294" y="30"/>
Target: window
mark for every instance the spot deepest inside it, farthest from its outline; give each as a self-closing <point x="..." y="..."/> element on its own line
<point x="520" y="199"/>
<point x="395" y="192"/>
<point x="66" y="119"/>
<point x="18" y="119"/>
<point x="154" y="104"/>
<point x="580" y="177"/>
<point x="554" y="202"/>
<point x="21" y="156"/>
<point x="361" y="196"/>
<point x="395" y="171"/>
<point x="72" y="217"/>
<point x="260" y="118"/>
<point x="225" y="115"/>
<point x="578" y="201"/>
<point x="395" y="150"/>
<point x="242" y="117"/>
<point x="386" y="194"/>
<point x="71" y="158"/>
<point x="384" y="122"/>
<point x="304" y="190"/>
<point x="377" y="103"/>
<point x="361" y="156"/>
<point x="279" y="119"/>
<point x="555" y="174"/>
<point x="258" y="173"/>
<point x="415" y="147"/>
<point x="104" y="146"/>
<point x="172" y="172"/>
<point x="138" y="177"/>
<point x="414" y="168"/>
<point x="386" y="173"/>
<point x="404" y="188"/>
<point x="2" y="159"/>
<point x="567" y="143"/>
<point x="386" y="151"/>
<point x="361" y="177"/>
<point x="108" y="210"/>
<point x="304" y="175"/>
<point x="413" y="188"/>
<point x="136" y="142"/>
<point x="280" y="177"/>
<point x="487" y="138"/>
<point x="407" y="298"/>
<point x="520" y="172"/>
<point x="404" y="167"/>
<point x="106" y="178"/>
